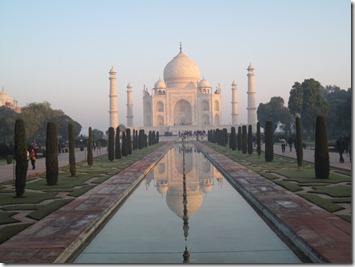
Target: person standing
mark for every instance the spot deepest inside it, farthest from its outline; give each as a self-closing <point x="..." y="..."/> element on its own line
<point x="33" y="158"/>
<point x="340" y="145"/>
<point x="283" y="145"/>
<point x="290" y="142"/>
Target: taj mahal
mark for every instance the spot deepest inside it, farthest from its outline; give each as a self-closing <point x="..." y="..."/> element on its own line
<point x="182" y="100"/>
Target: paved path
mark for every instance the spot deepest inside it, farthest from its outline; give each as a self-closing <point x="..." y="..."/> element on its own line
<point x="7" y="171"/>
<point x="322" y="236"/>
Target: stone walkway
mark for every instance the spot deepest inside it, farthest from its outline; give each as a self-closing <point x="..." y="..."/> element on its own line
<point x="321" y="236"/>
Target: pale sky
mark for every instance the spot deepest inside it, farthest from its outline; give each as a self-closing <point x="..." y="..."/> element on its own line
<point x="62" y="51"/>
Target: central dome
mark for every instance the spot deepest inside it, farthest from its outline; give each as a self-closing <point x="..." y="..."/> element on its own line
<point x="181" y="71"/>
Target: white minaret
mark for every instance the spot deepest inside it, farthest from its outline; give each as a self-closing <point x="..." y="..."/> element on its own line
<point x="251" y="98"/>
<point x="234" y="104"/>
<point x="129" y="106"/>
<point x="113" y="100"/>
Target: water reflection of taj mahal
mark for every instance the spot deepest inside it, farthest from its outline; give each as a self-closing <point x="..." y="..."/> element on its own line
<point x="200" y="175"/>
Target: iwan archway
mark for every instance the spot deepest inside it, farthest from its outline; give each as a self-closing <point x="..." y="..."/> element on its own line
<point x="182" y="113"/>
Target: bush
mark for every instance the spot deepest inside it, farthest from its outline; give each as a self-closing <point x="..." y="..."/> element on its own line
<point x="321" y="153"/>
<point x="51" y="154"/>
<point x="269" y="143"/>
<point x="21" y="157"/>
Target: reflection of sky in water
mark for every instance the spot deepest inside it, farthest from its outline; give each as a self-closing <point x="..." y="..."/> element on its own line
<point x="220" y="226"/>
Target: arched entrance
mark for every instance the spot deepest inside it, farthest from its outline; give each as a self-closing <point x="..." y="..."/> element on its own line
<point x="182" y="113"/>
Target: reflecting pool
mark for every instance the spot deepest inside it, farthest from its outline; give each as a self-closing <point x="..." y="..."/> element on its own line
<point x="184" y="211"/>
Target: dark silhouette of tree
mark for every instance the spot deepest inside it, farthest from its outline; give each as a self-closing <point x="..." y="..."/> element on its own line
<point x="258" y="139"/>
<point x="239" y="138"/>
<point x="72" y="163"/>
<point x="52" y="154"/>
<point x="269" y="142"/>
<point x="298" y="143"/>
<point x="124" y="145"/>
<point x="233" y="139"/>
<point x="244" y="140"/>
<point x="118" y="145"/>
<point x="21" y="157"/>
<point x="111" y="144"/>
<point x="129" y="141"/>
<point x="90" y="157"/>
<point x="250" y="140"/>
<point x="321" y="153"/>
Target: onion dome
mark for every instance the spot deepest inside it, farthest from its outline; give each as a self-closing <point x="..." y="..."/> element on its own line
<point x="234" y="83"/>
<point x="160" y="85"/>
<point x="181" y="71"/>
<point x="204" y="83"/>
<point x="129" y="86"/>
<point x="250" y="67"/>
<point x="112" y="70"/>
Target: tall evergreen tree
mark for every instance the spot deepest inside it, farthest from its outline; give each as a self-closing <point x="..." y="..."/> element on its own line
<point x="157" y="137"/>
<point x="321" y="153"/>
<point x="124" y="145"/>
<point x="224" y="137"/>
<point x="134" y="139"/>
<point x="239" y="138"/>
<point x="52" y="154"/>
<point x="111" y="144"/>
<point x="233" y="139"/>
<point x="298" y="143"/>
<point x="269" y="142"/>
<point x="118" y="145"/>
<point x="244" y="140"/>
<point x="258" y="139"/>
<point x="141" y="142"/>
<point x="250" y="140"/>
<point x="129" y="141"/>
<point x="21" y="157"/>
<point x="72" y="163"/>
<point x="90" y="157"/>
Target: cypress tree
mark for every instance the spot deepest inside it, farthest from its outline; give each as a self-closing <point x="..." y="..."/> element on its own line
<point x="258" y="139"/>
<point x="224" y="137"/>
<point x="124" y="145"/>
<point x="321" y="153"/>
<point x="298" y="143"/>
<point x="157" y="137"/>
<point x="90" y="158"/>
<point x="21" y="157"/>
<point x="129" y="141"/>
<point x="244" y="140"/>
<point x="118" y="145"/>
<point x="111" y="144"/>
<point x="141" y="139"/>
<point x="72" y="162"/>
<point x="250" y="140"/>
<point x="51" y="154"/>
<point x="233" y="139"/>
<point x="134" y="139"/>
<point x="269" y="142"/>
<point x="239" y="138"/>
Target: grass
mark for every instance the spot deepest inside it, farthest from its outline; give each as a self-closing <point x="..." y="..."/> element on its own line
<point x="328" y="194"/>
<point x="68" y="187"/>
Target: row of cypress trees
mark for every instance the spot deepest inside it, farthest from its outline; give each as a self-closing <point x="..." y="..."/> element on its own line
<point x="244" y="143"/>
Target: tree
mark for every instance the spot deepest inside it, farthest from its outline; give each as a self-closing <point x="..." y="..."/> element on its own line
<point x="72" y="164"/>
<point x="233" y="139"/>
<point x="97" y="135"/>
<point x="269" y="142"/>
<point x="239" y="138"/>
<point x="124" y="145"/>
<point x="298" y="143"/>
<point x="157" y="138"/>
<point x="90" y="158"/>
<point x="118" y="154"/>
<point x="224" y="139"/>
<point x="21" y="157"/>
<point x="8" y="119"/>
<point x="111" y="144"/>
<point x="258" y="139"/>
<point x="51" y="154"/>
<point x="250" y="140"/>
<point x="244" y="140"/>
<point x="276" y="112"/>
<point x="307" y="99"/>
<point x="141" y="142"/>
<point x="129" y="141"/>
<point x="321" y="153"/>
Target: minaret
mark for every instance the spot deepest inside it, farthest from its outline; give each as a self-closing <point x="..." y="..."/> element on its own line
<point x="113" y="100"/>
<point x="251" y="98"/>
<point x="129" y="106"/>
<point x="234" y="104"/>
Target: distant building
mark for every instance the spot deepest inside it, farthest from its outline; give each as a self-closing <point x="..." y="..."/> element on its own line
<point x="7" y="101"/>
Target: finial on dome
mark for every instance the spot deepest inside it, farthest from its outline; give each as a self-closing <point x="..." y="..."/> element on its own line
<point x="180" y="48"/>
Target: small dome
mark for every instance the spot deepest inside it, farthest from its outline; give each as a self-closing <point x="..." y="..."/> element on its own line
<point x="112" y="70"/>
<point x="204" y="83"/>
<point x="250" y="67"/>
<point x="129" y="86"/>
<point x="234" y="83"/>
<point x="160" y="85"/>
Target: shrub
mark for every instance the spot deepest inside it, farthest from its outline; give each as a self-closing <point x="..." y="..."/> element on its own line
<point x="269" y="143"/>
<point x="111" y="144"/>
<point x="21" y="157"/>
<point x="72" y="164"/>
<point x="321" y="153"/>
<point x="51" y="154"/>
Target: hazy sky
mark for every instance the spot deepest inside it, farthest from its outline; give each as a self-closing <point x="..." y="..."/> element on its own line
<point x="62" y="51"/>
